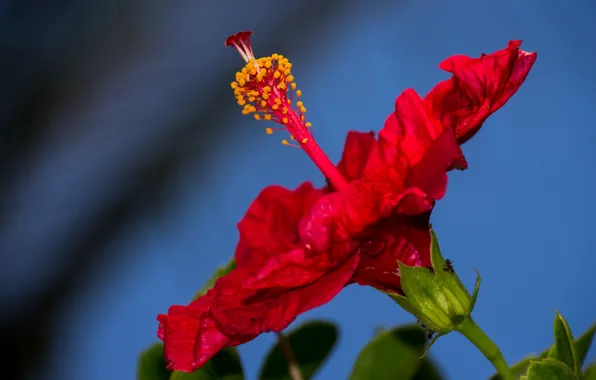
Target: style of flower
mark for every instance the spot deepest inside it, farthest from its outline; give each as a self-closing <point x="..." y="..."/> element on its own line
<point x="299" y="248"/>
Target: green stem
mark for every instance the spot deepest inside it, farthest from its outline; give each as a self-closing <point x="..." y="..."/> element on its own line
<point x="286" y="349"/>
<point x="489" y="349"/>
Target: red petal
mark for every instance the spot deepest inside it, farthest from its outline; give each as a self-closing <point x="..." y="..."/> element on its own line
<point x="430" y="173"/>
<point x="190" y="337"/>
<point x="290" y="284"/>
<point x="248" y="302"/>
<point x="479" y="87"/>
<point x="270" y="225"/>
<point x="408" y="131"/>
<point x="406" y="239"/>
<point x="355" y="156"/>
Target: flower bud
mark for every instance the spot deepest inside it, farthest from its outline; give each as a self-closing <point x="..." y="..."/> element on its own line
<point x="435" y="295"/>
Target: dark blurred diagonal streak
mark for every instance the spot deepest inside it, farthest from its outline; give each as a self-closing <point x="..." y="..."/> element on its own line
<point x="101" y="101"/>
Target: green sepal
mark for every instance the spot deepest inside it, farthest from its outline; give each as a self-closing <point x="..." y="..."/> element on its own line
<point x="453" y="288"/>
<point x="436" y="258"/>
<point x="476" y="289"/>
<point x="403" y="302"/>
<point x="550" y="369"/>
<point x="425" y="294"/>
<point x="435" y="295"/>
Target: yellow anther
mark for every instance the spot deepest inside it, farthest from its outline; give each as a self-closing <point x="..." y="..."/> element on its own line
<point x="308" y="124"/>
<point x="284" y="142"/>
<point x="292" y="137"/>
<point x="255" y="92"/>
<point x="304" y="140"/>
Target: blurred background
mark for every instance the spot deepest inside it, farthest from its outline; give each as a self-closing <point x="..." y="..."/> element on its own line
<point x="126" y="165"/>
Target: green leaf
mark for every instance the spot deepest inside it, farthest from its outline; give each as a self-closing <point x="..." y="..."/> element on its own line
<point x="428" y="370"/>
<point x="225" y="365"/>
<point x="550" y="369"/>
<point x="564" y="347"/>
<point x="220" y="271"/>
<point x="311" y="343"/>
<point x="151" y="364"/>
<point x="582" y="346"/>
<point x="518" y="368"/>
<point x="590" y="372"/>
<point x="395" y="354"/>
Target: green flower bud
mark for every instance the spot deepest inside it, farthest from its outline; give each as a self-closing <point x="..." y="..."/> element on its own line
<point x="435" y="295"/>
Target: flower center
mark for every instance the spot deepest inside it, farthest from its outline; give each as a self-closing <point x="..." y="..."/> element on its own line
<point x="265" y="87"/>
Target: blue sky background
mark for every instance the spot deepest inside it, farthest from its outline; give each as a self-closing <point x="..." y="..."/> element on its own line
<point x="523" y="213"/>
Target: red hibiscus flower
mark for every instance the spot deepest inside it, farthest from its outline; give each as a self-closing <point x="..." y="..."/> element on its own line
<point x="299" y="248"/>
